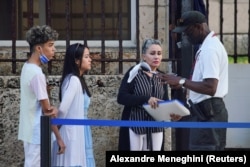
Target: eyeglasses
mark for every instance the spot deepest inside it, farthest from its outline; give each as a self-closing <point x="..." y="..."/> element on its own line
<point x="76" y="49"/>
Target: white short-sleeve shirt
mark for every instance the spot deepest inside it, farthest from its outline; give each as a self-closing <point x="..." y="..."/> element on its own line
<point x="33" y="89"/>
<point x="211" y="62"/>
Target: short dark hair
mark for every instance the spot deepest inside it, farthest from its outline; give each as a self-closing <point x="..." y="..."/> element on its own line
<point x="40" y="35"/>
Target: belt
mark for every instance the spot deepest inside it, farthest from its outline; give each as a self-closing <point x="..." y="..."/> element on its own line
<point x="216" y="99"/>
<point x="212" y="99"/>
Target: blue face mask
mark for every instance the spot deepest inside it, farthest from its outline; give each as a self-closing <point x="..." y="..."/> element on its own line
<point x="44" y="59"/>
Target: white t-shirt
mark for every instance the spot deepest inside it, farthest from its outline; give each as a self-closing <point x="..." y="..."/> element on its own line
<point x="211" y="62"/>
<point x="33" y="89"/>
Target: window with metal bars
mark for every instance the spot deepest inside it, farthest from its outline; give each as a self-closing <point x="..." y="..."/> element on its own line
<point x="90" y="19"/>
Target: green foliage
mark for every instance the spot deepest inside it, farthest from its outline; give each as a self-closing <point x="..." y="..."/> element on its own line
<point x="240" y="60"/>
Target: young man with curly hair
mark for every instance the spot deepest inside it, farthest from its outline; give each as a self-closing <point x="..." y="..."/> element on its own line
<point x="34" y="97"/>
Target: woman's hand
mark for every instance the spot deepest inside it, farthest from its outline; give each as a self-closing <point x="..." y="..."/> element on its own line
<point x="153" y="102"/>
<point x="61" y="145"/>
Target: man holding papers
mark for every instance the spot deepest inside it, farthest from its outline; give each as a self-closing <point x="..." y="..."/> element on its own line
<point x="208" y="84"/>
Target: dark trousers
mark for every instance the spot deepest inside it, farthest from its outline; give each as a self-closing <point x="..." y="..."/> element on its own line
<point x="213" y="139"/>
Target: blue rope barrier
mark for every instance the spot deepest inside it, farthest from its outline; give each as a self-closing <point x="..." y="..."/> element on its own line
<point x="95" y="122"/>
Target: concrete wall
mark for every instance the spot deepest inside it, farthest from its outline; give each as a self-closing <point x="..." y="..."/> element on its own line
<point x="228" y="15"/>
<point x="237" y="102"/>
<point x="242" y="24"/>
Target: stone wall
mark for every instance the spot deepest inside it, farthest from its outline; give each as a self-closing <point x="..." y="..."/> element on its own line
<point x="11" y="151"/>
<point x="103" y="106"/>
<point x="103" y="101"/>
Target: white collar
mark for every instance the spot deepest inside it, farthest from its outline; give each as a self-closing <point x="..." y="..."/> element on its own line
<point x="142" y="65"/>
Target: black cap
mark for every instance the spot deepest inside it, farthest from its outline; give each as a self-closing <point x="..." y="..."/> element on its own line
<point x="189" y="18"/>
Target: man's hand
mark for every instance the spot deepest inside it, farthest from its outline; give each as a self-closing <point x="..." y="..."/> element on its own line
<point x="170" y="79"/>
<point x="175" y="117"/>
<point x="52" y="112"/>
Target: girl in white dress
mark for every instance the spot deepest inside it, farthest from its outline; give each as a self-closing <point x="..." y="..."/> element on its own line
<point x="72" y="89"/>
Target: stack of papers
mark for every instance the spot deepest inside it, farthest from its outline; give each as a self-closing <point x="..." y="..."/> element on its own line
<point x="165" y="108"/>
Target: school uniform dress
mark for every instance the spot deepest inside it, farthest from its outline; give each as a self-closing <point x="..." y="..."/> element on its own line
<point x="71" y="107"/>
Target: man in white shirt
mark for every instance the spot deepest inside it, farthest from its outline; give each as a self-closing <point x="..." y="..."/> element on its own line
<point x="208" y="84"/>
<point x="34" y="97"/>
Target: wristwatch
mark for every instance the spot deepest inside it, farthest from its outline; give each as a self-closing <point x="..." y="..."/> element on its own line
<point x="182" y="81"/>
